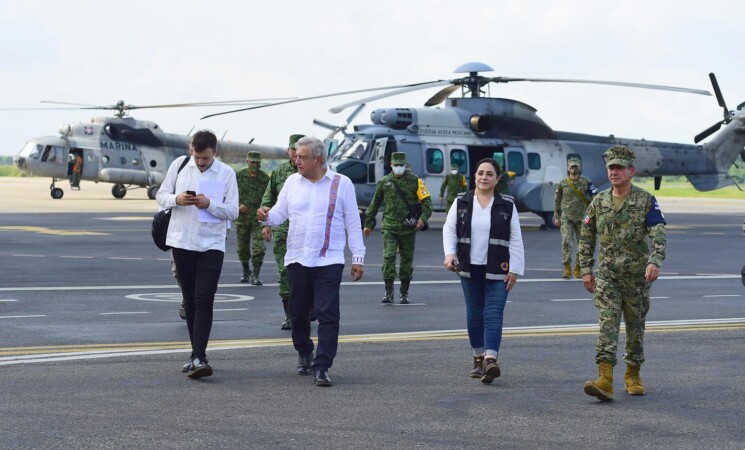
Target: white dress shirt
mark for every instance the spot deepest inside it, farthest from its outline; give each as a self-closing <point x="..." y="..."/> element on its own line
<point x="185" y="230"/>
<point x="306" y="205"/>
<point x="480" y="226"/>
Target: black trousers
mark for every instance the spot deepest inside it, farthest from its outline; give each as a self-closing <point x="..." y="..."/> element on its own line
<point x="198" y="274"/>
<point x="315" y="287"/>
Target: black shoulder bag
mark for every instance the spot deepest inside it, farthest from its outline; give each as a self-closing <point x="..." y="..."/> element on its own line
<point x="163" y="218"/>
<point x="415" y="212"/>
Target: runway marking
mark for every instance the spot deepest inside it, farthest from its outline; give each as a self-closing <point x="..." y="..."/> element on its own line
<point x="570" y="300"/>
<point x="652" y="298"/>
<point x="344" y="283"/>
<point x="713" y="233"/>
<point x="175" y="297"/>
<point x="123" y="313"/>
<point x="22" y="317"/>
<point x="40" y="354"/>
<point x="722" y="295"/>
<point x="8" y="300"/>
<point x="230" y="309"/>
<point x="125" y="258"/>
<point x="76" y="257"/>
<point x="29" y="256"/>
<point x="125" y="218"/>
<point x="44" y="230"/>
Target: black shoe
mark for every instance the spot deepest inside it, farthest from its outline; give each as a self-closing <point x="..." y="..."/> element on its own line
<point x="491" y="370"/>
<point x="313" y="316"/>
<point x="187" y="367"/>
<point x="255" y="281"/>
<point x="182" y="312"/>
<point x="304" y="363"/>
<point x="199" y="369"/>
<point x="404" y="300"/>
<point x="387" y="299"/>
<point x="286" y="325"/>
<point x="321" y="378"/>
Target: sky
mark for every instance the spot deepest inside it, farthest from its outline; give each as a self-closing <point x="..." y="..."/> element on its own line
<point x="160" y="52"/>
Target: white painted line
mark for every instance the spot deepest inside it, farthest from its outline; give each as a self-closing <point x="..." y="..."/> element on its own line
<point x="8" y="300"/>
<point x="570" y="300"/>
<point x="22" y="317"/>
<point x="123" y="312"/>
<point x="29" y="256"/>
<point x="230" y="309"/>
<point x="722" y="295"/>
<point x="123" y="257"/>
<point x="712" y="232"/>
<point x="657" y="297"/>
<point x="77" y="257"/>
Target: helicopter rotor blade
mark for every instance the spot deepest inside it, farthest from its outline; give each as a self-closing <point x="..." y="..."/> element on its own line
<point x="326" y="125"/>
<point x="429" y="84"/>
<point x="707" y="132"/>
<point x="70" y="104"/>
<point x="608" y="83"/>
<point x="303" y="99"/>
<point x="441" y="95"/>
<point x="720" y="98"/>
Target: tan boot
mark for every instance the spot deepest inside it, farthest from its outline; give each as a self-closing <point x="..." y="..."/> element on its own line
<point x="567" y="271"/>
<point x="633" y="380"/>
<point x="602" y="388"/>
<point x="577" y="272"/>
<point x="478" y="367"/>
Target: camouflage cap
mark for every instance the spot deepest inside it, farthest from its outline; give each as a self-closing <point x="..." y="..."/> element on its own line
<point x="294" y="138"/>
<point x="253" y="157"/>
<point x="619" y="156"/>
<point x="574" y="162"/>
<point x="453" y="167"/>
<point x="398" y="158"/>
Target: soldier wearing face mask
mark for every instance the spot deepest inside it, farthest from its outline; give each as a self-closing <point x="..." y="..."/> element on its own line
<point x="252" y="182"/>
<point x="454" y="183"/>
<point x="573" y="194"/>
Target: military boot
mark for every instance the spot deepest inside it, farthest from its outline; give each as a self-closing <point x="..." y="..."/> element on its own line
<point x="478" y="367"/>
<point x="286" y="325"/>
<point x="633" y="380"/>
<point x="246" y="273"/>
<point x="405" y="292"/>
<point x="567" y="270"/>
<point x="602" y="388"/>
<point x="255" y="276"/>
<point x="388" y="291"/>
<point x="577" y="271"/>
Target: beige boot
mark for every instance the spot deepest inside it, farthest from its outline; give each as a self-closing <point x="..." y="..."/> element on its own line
<point x="478" y="367"/>
<point x="602" y="388"/>
<point x="633" y="380"/>
<point x="567" y="271"/>
<point x="577" y="272"/>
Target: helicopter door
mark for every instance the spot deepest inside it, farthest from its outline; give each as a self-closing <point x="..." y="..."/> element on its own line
<point x="379" y="158"/>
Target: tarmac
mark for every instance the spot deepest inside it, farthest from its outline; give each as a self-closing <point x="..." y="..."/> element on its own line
<point x="92" y="347"/>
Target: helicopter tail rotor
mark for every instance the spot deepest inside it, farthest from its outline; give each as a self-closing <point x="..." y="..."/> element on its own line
<point x="727" y="113"/>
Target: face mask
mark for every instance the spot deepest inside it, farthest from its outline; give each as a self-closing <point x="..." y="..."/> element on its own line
<point x="454" y="172"/>
<point x="253" y="169"/>
<point x="399" y="170"/>
<point x="574" y="171"/>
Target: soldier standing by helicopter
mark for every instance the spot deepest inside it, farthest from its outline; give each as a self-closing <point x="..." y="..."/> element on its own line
<point x="455" y="183"/>
<point x="276" y="181"/>
<point x="573" y="194"/>
<point x="399" y="234"/>
<point x="252" y="182"/>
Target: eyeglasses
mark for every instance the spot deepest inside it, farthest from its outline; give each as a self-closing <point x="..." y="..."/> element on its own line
<point x="303" y="157"/>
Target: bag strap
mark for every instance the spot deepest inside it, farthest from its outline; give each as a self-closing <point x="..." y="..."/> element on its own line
<point x="183" y="164"/>
<point x="401" y="193"/>
<point x="576" y="191"/>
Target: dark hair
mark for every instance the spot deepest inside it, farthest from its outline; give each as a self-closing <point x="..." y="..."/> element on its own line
<point x="491" y="161"/>
<point x="202" y="140"/>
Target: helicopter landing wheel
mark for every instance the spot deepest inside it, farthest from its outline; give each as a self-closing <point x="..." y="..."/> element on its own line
<point x="56" y="193"/>
<point x="152" y="191"/>
<point x="119" y="191"/>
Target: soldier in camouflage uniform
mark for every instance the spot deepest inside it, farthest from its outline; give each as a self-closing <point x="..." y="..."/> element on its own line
<point x="573" y="194"/>
<point x="455" y="183"/>
<point x="625" y="218"/>
<point x="276" y="181"/>
<point x="252" y="183"/>
<point x="397" y="237"/>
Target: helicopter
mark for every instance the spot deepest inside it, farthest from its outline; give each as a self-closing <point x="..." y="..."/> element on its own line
<point x="476" y="126"/>
<point x="129" y="153"/>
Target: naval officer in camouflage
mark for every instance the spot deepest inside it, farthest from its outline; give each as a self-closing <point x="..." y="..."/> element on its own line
<point x="398" y="237"/>
<point x="573" y="194"/>
<point x="252" y="183"/>
<point x="276" y="181"/>
<point x="455" y="183"/>
<point x="624" y="218"/>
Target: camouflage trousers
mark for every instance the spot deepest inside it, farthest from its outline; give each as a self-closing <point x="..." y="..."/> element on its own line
<point x="449" y="201"/>
<point x="613" y="297"/>
<point x="404" y="245"/>
<point x="249" y="235"/>
<point x="570" y="230"/>
<point x="279" y="249"/>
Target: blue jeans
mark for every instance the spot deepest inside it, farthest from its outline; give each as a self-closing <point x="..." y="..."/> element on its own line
<point x="485" y="301"/>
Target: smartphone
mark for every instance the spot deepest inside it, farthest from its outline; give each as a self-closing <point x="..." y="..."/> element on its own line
<point x="192" y="193"/>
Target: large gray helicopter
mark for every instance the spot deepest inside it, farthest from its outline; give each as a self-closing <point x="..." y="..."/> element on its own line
<point x="121" y="150"/>
<point x="475" y="126"/>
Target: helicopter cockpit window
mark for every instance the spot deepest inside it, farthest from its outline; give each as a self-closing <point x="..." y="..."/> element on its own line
<point x="459" y="157"/>
<point x="354" y="150"/>
<point x="51" y="154"/>
<point x="34" y="150"/>
<point x="534" y="161"/>
<point x="515" y="163"/>
<point x="435" y="160"/>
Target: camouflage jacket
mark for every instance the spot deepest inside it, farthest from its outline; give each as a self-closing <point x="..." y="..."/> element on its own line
<point x="567" y="204"/>
<point x="276" y="181"/>
<point x="250" y="191"/>
<point x="454" y="184"/>
<point x="624" y="251"/>
<point x="395" y="209"/>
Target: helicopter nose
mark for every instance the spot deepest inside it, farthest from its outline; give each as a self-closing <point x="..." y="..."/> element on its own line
<point x="20" y="163"/>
